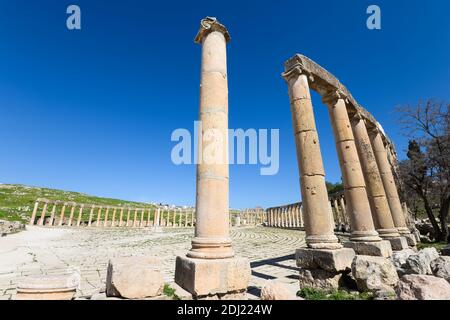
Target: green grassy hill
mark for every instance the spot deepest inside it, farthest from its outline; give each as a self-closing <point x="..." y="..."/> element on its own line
<point x="17" y="201"/>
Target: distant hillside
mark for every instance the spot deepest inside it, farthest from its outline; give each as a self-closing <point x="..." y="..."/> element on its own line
<point x="17" y="201"/>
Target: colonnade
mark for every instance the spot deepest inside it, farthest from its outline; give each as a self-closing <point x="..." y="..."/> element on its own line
<point x="372" y="203"/>
<point x="59" y="213"/>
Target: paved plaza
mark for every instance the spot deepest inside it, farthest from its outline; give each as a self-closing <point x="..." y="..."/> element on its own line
<point x="41" y="250"/>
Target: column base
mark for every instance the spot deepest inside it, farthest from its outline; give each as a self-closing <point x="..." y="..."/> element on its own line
<point x="211" y="248"/>
<point x="379" y="249"/>
<point x="387" y="234"/>
<point x="212" y="277"/>
<point x="365" y="236"/>
<point x="336" y="260"/>
<point x="322" y="279"/>
<point x="398" y="243"/>
<point x="48" y="287"/>
<point x="329" y="242"/>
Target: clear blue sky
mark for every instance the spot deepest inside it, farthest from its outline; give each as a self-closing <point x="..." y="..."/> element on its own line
<point x="93" y="110"/>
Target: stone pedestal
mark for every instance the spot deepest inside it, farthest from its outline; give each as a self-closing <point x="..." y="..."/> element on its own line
<point x="324" y="269"/>
<point x="410" y="238"/>
<point x="216" y="277"/>
<point x="398" y="243"/>
<point x="379" y="248"/>
<point x="48" y="287"/>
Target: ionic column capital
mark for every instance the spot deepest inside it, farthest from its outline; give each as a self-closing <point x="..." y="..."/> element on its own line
<point x="208" y="25"/>
<point x="332" y="96"/>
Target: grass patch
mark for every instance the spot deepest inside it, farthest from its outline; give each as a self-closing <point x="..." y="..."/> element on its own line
<point x="437" y="245"/>
<point x="318" y="294"/>
<point x="17" y="202"/>
<point x="170" y="292"/>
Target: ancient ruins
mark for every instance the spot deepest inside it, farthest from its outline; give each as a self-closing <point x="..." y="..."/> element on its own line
<point x="346" y="232"/>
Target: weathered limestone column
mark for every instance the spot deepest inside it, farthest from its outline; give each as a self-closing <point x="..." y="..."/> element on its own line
<point x="364" y="239"/>
<point x="121" y="217"/>
<point x="148" y="217"/>
<point x="44" y="211"/>
<point x="185" y="218"/>
<point x="72" y="211"/>
<point x="113" y="220"/>
<point x="210" y="267"/>
<point x="174" y="223"/>
<point x="381" y="212"/>
<point x="105" y="222"/>
<point x="141" y="223"/>
<point x="33" y="214"/>
<point x="52" y="214"/>
<point x="135" y="218"/>
<point x="91" y="214"/>
<point x="61" y="218"/>
<point x="128" y="217"/>
<point x="80" y="213"/>
<point x="99" y="215"/>
<point x="390" y="187"/>
<point x="343" y="210"/>
<point x="336" y="209"/>
<point x="318" y="217"/>
<point x="156" y="218"/>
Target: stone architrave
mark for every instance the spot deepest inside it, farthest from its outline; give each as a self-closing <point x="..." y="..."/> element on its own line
<point x="210" y="267"/>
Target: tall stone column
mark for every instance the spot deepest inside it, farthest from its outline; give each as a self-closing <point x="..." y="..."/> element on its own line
<point x="381" y="212"/>
<point x="121" y="217"/>
<point x="128" y="217"/>
<point x="302" y="223"/>
<point x="91" y="214"/>
<point x="343" y="209"/>
<point x="156" y="218"/>
<point x="105" y="222"/>
<point x="135" y="218"/>
<point x="33" y="214"/>
<point x="72" y="211"/>
<point x="336" y="209"/>
<point x="44" y="211"/>
<point x="148" y="217"/>
<point x="52" y="214"/>
<point x="364" y="239"/>
<point x="319" y="223"/>
<point x="99" y="215"/>
<point x="61" y="218"/>
<point x="113" y="220"/>
<point x="390" y="187"/>
<point x="210" y="267"/>
<point x="174" y="223"/>
<point x="141" y="223"/>
<point x="80" y="214"/>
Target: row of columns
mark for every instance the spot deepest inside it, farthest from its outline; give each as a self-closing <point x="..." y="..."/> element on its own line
<point x="372" y="202"/>
<point x="251" y="217"/>
<point x="288" y="216"/>
<point x="74" y="214"/>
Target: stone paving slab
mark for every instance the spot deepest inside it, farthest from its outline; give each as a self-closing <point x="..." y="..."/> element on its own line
<point x="41" y="250"/>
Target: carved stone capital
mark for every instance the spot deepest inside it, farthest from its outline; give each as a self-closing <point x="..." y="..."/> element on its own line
<point x="210" y="24"/>
<point x="332" y="96"/>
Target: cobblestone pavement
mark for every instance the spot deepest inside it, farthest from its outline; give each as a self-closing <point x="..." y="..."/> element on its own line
<point x="57" y="250"/>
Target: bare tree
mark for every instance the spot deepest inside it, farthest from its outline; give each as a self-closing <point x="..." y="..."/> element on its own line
<point x="426" y="172"/>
